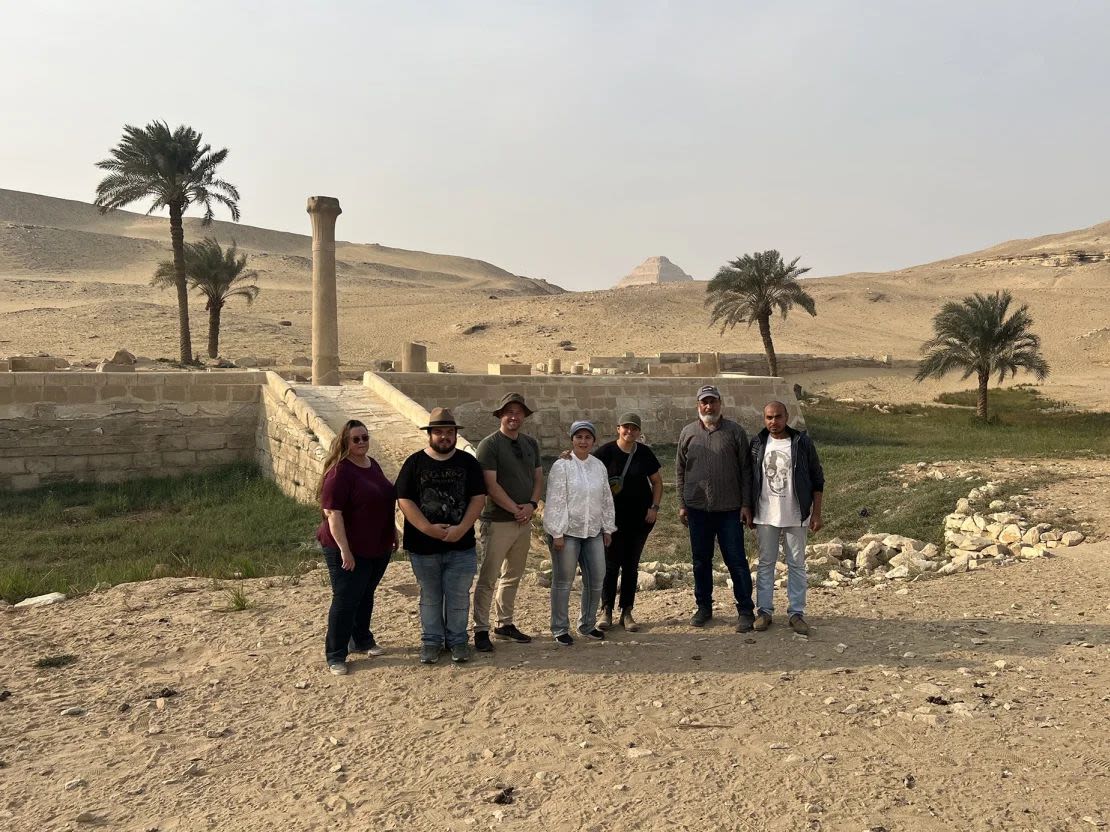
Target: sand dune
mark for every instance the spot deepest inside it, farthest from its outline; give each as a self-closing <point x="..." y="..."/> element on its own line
<point x="74" y="283"/>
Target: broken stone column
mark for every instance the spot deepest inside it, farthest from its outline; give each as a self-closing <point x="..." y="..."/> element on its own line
<point x="414" y="358"/>
<point x="324" y="210"/>
<point x="554" y="366"/>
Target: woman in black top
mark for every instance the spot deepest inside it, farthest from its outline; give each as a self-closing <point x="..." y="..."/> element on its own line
<point x="637" y="490"/>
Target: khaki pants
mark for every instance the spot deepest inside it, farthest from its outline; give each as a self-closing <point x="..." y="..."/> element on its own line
<point x="504" y="556"/>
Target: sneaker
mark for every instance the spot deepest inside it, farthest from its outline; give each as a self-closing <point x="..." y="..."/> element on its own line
<point x="595" y="634"/>
<point x="628" y="622"/>
<point x="481" y="641"/>
<point x="701" y="616"/>
<point x="338" y="668"/>
<point x="606" y="621"/>
<point x="762" y="622"/>
<point x="510" y="632"/>
<point x="370" y="647"/>
<point x="429" y="653"/>
<point x="745" y="622"/>
<point x="798" y="625"/>
<point x="460" y="653"/>
<point x="564" y="640"/>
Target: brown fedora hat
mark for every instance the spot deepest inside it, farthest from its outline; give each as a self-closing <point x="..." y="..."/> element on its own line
<point x="511" y="398"/>
<point x="440" y="417"/>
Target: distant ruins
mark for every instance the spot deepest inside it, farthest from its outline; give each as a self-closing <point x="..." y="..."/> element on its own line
<point x="654" y="270"/>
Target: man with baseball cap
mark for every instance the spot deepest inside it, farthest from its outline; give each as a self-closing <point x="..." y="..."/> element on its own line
<point x="441" y="493"/>
<point x="511" y="465"/>
<point x="714" y="496"/>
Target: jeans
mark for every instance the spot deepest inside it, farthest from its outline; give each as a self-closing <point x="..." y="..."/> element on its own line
<point x="794" y="545"/>
<point x="623" y="556"/>
<point x="724" y="527"/>
<point x="444" y="580"/>
<point x="352" y="602"/>
<point x="589" y="553"/>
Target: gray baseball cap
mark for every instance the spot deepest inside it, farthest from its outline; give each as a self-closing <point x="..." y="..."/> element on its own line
<point x="630" y="419"/>
<point x="708" y="391"/>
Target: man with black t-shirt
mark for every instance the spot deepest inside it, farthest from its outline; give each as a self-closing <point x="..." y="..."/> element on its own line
<point x="441" y="493"/>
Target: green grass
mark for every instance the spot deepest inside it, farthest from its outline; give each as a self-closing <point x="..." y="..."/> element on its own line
<point x="226" y="522"/>
<point x="238" y="600"/>
<point x="860" y="446"/>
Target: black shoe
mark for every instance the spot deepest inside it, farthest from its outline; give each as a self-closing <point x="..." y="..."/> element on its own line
<point x="510" y="632"/>
<point x="460" y="653"/>
<point x="701" y="617"/>
<point x="745" y="622"/>
<point x="595" y="634"/>
<point x="482" y="643"/>
<point x="564" y="640"/>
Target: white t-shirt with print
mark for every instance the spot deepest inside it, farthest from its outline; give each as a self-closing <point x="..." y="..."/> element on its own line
<point x="778" y="505"/>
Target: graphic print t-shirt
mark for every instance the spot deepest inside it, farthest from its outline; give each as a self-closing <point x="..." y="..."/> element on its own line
<point x="441" y="490"/>
<point x="777" y="504"/>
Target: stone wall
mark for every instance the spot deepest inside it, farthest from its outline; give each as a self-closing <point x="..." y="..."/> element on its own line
<point x="108" y="427"/>
<point x="664" y="404"/>
<point x="291" y="441"/>
<point x="748" y="363"/>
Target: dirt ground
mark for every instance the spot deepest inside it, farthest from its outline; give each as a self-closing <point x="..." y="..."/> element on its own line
<point x="973" y="702"/>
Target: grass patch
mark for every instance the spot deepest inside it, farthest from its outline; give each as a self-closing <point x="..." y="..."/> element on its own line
<point x="70" y="538"/>
<point x="859" y="447"/>
<point x="238" y="600"/>
<point x="56" y="661"/>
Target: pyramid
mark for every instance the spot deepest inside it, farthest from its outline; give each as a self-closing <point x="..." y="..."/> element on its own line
<point x="654" y="270"/>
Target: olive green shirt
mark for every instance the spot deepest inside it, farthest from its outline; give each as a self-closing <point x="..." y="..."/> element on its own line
<point x="515" y="461"/>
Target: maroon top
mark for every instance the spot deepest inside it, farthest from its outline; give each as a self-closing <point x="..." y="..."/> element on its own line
<point x="367" y="500"/>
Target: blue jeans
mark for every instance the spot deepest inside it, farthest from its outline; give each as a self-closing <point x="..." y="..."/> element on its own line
<point x="725" y="528"/>
<point x="352" y="602"/>
<point x="794" y="545"/>
<point x="589" y="553"/>
<point x="444" y="580"/>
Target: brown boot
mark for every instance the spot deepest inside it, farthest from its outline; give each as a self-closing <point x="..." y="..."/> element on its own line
<point x="606" y="622"/>
<point x="628" y="622"/>
<point x="798" y="625"/>
<point x="762" y="622"/>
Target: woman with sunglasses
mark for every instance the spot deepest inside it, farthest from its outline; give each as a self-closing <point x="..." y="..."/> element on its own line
<point x="358" y="536"/>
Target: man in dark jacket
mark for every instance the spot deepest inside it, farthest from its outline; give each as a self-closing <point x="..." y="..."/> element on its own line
<point x="787" y="493"/>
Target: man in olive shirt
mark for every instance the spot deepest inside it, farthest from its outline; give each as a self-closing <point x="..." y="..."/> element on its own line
<point x="510" y="462"/>
<point x="714" y="496"/>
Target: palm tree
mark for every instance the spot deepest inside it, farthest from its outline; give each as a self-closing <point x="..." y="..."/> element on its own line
<point x="975" y="336"/>
<point x="174" y="170"/>
<point x="217" y="273"/>
<point x="748" y="290"/>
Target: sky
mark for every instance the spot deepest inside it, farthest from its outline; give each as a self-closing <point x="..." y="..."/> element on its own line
<point x="570" y="140"/>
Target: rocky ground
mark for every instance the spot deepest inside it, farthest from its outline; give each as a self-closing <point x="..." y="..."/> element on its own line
<point x="977" y="701"/>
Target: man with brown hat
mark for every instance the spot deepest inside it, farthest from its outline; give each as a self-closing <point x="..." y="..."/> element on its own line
<point x="441" y="493"/>
<point x="510" y="461"/>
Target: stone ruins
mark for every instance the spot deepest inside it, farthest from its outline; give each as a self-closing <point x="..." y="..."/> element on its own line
<point x="654" y="270"/>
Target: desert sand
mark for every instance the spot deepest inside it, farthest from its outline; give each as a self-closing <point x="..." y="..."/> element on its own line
<point x="975" y="702"/>
<point x="74" y="283"/>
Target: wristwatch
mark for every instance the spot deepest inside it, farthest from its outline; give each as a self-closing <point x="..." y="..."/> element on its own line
<point x="654" y="506"/>
<point x="534" y="504"/>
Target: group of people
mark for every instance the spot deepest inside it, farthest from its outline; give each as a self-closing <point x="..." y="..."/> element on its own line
<point x="600" y="505"/>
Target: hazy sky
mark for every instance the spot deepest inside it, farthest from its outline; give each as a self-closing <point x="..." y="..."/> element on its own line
<point x="571" y="140"/>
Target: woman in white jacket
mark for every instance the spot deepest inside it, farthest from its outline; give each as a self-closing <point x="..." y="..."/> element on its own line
<point x="578" y="516"/>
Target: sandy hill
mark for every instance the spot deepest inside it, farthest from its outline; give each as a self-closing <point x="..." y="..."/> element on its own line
<point x="654" y="270"/>
<point x="73" y="282"/>
<point x="44" y="236"/>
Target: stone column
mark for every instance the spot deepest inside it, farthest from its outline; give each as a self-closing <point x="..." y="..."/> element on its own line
<point x="325" y="319"/>
<point x="414" y="358"/>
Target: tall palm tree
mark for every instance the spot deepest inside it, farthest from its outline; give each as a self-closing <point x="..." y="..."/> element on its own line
<point x="217" y="273"/>
<point x="975" y="336"/>
<point x="749" y="290"/>
<point x="174" y="170"/>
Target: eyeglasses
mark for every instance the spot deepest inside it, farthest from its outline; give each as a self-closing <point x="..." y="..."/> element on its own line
<point x="359" y="440"/>
<point x="518" y="451"/>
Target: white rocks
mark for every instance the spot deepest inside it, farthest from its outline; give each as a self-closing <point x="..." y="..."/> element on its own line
<point x="1072" y="538"/>
<point x="869" y="556"/>
<point x="1010" y="534"/>
<point x="42" y="600"/>
<point x="645" y="581"/>
<point x="73" y="711"/>
<point x="75" y="783"/>
<point x="898" y="572"/>
<point x="637" y="753"/>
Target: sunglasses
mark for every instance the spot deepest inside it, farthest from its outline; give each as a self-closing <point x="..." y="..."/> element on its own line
<point x="359" y="440"/>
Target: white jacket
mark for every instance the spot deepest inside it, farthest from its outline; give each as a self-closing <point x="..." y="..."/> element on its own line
<point x="579" y="501"/>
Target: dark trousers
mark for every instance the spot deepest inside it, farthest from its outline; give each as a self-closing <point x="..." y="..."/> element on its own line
<point x="352" y="602"/>
<point x="623" y="557"/>
<point x="725" y="528"/>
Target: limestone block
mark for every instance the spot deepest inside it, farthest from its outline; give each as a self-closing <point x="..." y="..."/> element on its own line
<point x="36" y="363"/>
<point x="1010" y="534"/>
<point x="42" y="600"/>
<point x="1072" y="538"/>
<point x="508" y="369"/>
<point x="414" y="358"/>
<point x="109" y="367"/>
<point x="206" y="441"/>
<point x="999" y="550"/>
<point x="869" y="556"/>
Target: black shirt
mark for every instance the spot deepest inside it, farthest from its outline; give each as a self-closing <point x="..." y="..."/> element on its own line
<point x="442" y="490"/>
<point x="635" y="497"/>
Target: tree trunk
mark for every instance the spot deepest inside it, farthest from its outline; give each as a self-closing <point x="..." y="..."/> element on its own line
<point x="177" y="240"/>
<point x="981" y="399"/>
<point x="768" y="344"/>
<point x="214" y="310"/>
